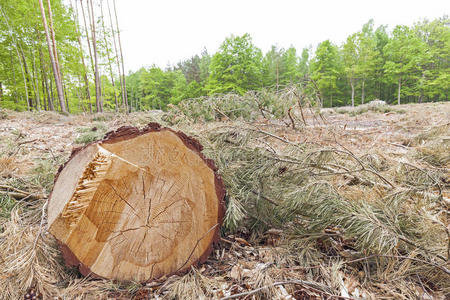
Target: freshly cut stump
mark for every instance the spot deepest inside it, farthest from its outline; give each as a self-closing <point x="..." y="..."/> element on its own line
<point x="138" y="205"/>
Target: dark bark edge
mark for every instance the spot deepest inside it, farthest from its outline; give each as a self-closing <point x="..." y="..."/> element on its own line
<point x="129" y="132"/>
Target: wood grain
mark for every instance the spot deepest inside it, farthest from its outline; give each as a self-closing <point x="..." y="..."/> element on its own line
<point x="137" y="206"/>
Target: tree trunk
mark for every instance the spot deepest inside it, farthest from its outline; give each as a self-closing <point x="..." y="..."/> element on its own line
<point x="399" y="89"/>
<point x="58" y="82"/>
<point x="121" y="57"/>
<point x="36" y="83"/>
<point x="353" y="92"/>
<point x="44" y="90"/>
<point x="67" y="98"/>
<point x="52" y="35"/>
<point x="85" y="74"/>
<point x="27" y="77"/>
<point x="137" y="215"/>
<point x="45" y="80"/>
<point x="14" y="77"/>
<point x="109" y="59"/>
<point x="277" y="74"/>
<point x="87" y="33"/>
<point x="116" y="55"/>
<point x="98" y="88"/>
<point x="362" y="92"/>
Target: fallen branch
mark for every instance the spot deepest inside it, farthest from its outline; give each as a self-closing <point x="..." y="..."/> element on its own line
<point x="313" y="285"/>
<point x="290" y="117"/>
<point x="19" y="194"/>
<point x="440" y="267"/>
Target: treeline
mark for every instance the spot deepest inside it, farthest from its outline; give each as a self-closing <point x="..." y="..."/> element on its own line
<point x="74" y="63"/>
<point x="61" y="56"/>
<point x="409" y="64"/>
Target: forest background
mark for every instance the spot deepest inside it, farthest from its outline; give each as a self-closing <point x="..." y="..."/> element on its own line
<point x="67" y="56"/>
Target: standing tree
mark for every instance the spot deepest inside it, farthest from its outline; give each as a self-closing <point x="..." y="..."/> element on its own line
<point x="325" y="69"/>
<point x="405" y="53"/>
<point x="236" y="67"/>
<point x="367" y="54"/>
<point x="351" y="60"/>
<point x="98" y="88"/>
<point x="109" y="57"/>
<point x="85" y="73"/>
<point x="56" y="72"/>
<point x="124" y="84"/>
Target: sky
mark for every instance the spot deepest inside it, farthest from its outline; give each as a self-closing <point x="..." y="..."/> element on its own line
<point x="165" y="32"/>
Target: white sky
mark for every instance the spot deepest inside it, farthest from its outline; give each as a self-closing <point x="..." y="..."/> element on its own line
<point x="166" y="31"/>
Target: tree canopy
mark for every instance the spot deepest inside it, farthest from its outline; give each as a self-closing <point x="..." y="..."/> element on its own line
<point x="407" y="64"/>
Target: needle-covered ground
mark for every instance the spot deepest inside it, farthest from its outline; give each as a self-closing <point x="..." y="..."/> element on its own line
<point x="334" y="204"/>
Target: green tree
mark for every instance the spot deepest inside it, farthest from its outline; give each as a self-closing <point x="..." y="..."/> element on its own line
<point x="436" y="66"/>
<point x="367" y="57"/>
<point x="406" y="54"/>
<point x="351" y="62"/>
<point x="237" y="67"/>
<point x="326" y="69"/>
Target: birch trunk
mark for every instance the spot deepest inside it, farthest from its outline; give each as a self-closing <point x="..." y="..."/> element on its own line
<point x="45" y="80"/>
<point x="116" y="55"/>
<point x="353" y="92"/>
<point x="27" y="76"/>
<point x="98" y="88"/>
<point x="109" y="58"/>
<point x="362" y="92"/>
<point x="85" y="76"/>
<point x="58" y="83"/>
<point x="121" y="57"/>
<point x="399" y="90"/>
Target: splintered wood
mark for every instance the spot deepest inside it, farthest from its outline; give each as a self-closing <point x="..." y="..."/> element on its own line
<point x="138" y="205"/>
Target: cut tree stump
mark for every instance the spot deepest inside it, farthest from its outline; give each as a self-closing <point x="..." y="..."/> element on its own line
<point x="138" y="205"/>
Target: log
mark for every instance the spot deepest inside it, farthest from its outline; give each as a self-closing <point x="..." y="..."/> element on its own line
<point x="137" y="205"/>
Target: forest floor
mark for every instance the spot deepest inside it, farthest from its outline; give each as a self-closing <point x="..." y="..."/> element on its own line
<point x="33" y="145"/>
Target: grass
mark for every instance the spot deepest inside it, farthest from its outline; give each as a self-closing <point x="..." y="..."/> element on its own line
<point x="91" y="133"/>
<point x="6" y="205"/>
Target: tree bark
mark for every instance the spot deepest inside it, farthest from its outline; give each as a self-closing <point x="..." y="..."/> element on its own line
<point x="362" y="92"/>
<point x="85" y="74"/>
<point x="399" y="89"/>
<point x="14" y="78"/>
<point x="353" y="92"/>
<point x="117" y="56"/>
<point x="58" y="82"/>
<point x="52" y="35"/>
<point x="50" y="105"/>
<point x="36" y="83"/>
<point x="109" y="59"/>
<point x="98" y="88"/>
<point x="121" y="57"/>
<point x="87" y="33"/>
<point x="27" y="78"/>
<point x="141" y="215"/>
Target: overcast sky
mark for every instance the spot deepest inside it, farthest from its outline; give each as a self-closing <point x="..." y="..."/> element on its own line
<point x="166" y="31"/>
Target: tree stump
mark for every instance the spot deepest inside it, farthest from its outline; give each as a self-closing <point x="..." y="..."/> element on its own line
<point x="138" y="205"/>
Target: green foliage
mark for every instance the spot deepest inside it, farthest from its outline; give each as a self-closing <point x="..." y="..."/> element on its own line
<point x="250" y="106"/>
<point x="326" y="67"/>
<point x="371" y="63"/>
<point x="237" y="67"/>
<point x="6" y="205"/>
